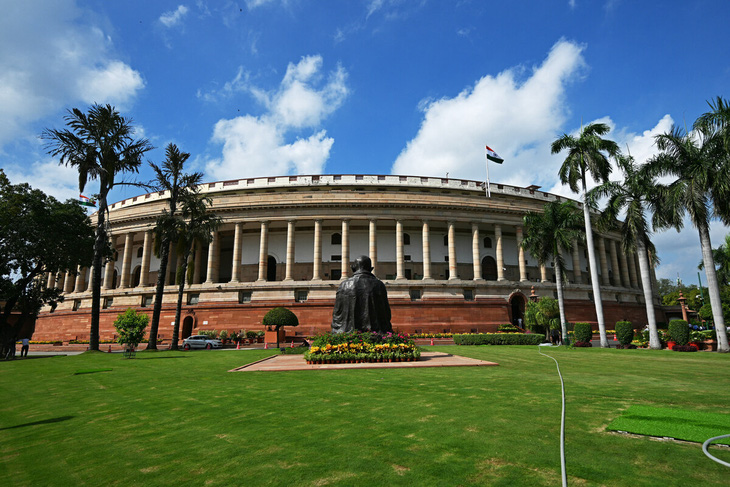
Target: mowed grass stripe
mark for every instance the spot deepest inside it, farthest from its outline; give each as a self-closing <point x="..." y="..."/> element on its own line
<point x="680" y="424"/>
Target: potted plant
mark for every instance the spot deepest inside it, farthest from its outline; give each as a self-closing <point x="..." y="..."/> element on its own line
<point x="679" y="333"/>
<point x="277" y="319"/>
<point x="223" y="336"/>
<point x="260" y="336"/>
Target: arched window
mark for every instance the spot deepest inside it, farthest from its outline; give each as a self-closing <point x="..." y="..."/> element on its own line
<point x="336" y="239"/>
<point x="487" y="243"/>
<point x="489" y="269"/>
<point x="406" y="239"/>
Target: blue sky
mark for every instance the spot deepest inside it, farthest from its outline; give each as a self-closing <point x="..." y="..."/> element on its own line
<point x="274" y="87"/>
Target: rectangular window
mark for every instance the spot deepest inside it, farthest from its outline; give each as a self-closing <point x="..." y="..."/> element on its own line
<point x="415" y="294"/>
<point x="335" y="258"/>
<point x="300" y="295"/>
<point x="193" y="298"/>
<point x="336" y="274"/>
<point x="108" y="303"/>
<point x="337" y="177"/>
<point x="407" y="258"/>
<point x="147" y="300"/>
<point x="77" y="304"/>
<point x="244" y="297"/>
<point x="468" y="295"/>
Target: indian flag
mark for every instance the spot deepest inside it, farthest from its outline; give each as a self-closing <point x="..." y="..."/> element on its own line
<point x="493" y="156"/>
<point x="85" y="201"/>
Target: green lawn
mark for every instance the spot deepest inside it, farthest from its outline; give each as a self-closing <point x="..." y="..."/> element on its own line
<point x="180" y="418"/>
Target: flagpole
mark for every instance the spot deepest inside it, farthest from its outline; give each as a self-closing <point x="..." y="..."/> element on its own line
<point x="489" y="194"/>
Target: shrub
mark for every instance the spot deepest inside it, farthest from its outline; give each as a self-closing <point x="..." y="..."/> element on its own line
<point x="581" y="344"/>
<point x="212" y="334"/>
<point x="684" y="348"/>
<point x="679" y="331"/>
<point x="498" y="339"/>
<point x="224" y="335"/>
<point x="131" y="327"/>
<point x="583" y="332"/>
<point x="507" y="328"/>
<point x="624" y="332"/>
<point x="279" y="317"/>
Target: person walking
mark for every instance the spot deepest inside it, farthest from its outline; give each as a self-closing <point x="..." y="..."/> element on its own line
<point x="25" y="345"/>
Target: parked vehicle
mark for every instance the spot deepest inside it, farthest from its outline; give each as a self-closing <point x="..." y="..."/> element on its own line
<point x="201" y="341"/>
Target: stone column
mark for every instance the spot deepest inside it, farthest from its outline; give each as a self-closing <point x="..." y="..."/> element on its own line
<point x="317" y="260"/>
<point x="144" y="272"/>
<point x="543" y="273"/>
<point x="476" y="261"/>
<point x="453" y="269"/>
<point x="68" y="282"/>
<point x="426" y="251"/>
<point x="345" y="265"/>
<point x="50" y="280"/>
<point x="289" y="250"/>
<point x="80" y="277"/>
<point x="127" y="260"/>
<point x="614" y="263"/>
<point x="577" y="275"/>
<point x="212" y="272"/>
<point x="58" y="280"/>
<point x="399" y="262"/>
<point x="90" y="280"/>
<point x="624" y="269"/>
<point x="604" y="261"/>
<point x="521" y="254"/>
<point x="373" y="244"/>
<point x="236" y="260"/>
<point x="500" y="256"/>
<point x="198" y="265"/>
<point x="632" y="271"/>
<point x="178" y="268"/>
<point x="264" y="251"/>
<point x="639" y="280"/>
<point x="109" y="276"/>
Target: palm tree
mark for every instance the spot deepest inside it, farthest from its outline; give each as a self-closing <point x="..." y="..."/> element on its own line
<point x="547" y="235"/>
<point x="100" y="144"/>
<point x="170" y="178"/>
<point x="634" y="195"/>
<point x="702" y="190"/>
<point x="196" y="228"/>
<point x="586" y="156"/>
<point x="721" y="257"/>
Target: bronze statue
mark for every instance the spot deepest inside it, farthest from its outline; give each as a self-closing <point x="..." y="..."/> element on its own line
<point x="362" y="302"/>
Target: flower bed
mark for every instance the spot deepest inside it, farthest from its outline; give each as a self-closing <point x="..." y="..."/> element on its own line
<point x="362" y="348"/>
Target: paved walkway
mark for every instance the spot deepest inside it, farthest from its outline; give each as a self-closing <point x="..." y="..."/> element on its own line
<point x="297" y="362"/>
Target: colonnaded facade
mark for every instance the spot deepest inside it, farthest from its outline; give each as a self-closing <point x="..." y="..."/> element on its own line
<point x="450" y="257"/>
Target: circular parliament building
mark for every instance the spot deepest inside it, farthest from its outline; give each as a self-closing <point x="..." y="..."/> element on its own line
<point x="450" y="256"/>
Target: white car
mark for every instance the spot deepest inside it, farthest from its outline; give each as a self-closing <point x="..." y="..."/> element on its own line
<point x="201" y="341"/>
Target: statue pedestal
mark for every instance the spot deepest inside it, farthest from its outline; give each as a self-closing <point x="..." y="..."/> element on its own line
<point x="271" y="336"/>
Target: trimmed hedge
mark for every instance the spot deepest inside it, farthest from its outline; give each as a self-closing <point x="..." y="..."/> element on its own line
<point x="583" y="332"/>
<point x="624" y="332"/>
<point x="499" y="339"/>
<point x="679" y="331"/>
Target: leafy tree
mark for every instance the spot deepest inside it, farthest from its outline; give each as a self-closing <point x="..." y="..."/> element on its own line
<point x="195" y="229"/>
<point x="101" y="145"/>
<point x="38" y="234"/>
<point x="543" y="315"/>
<point x="279" y="317"/>
<point x="131" y="326"/>
<point x="169" y="177"/>
<point x="547" y="235"/>
<point x="634" y="196"/>
<point x="702" y="190"/>
<point x="587" y="154"/>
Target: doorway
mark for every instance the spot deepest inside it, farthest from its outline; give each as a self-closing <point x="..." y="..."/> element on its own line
<point x="187" y="327"/>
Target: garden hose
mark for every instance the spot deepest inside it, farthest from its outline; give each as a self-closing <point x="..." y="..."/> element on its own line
<point x="562" y="423"/>
<point x="707" y="443"/>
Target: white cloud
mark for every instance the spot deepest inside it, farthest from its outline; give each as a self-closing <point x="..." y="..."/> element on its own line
<point x="173" y="17"/>
<point x="518" y="119"/>
<point x="49" y="59"/>
<point x="49" y="176"/>
<point x="257" y="145"/>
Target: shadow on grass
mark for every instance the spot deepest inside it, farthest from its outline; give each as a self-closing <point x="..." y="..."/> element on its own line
<point x="154" y="358"/>
<point x="94" y="371"/>
<point x="43" y="421"/>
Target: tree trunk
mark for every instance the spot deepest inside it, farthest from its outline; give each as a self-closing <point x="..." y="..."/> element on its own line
<point x="159" y="292"/>
<point x="594" y="270"/>
<point x="99" y="244"/>
<point x="654" y="342"/>
<point x="713" y="289"/>
<point x="178" y="309"/>
<point x="561" y="302"/>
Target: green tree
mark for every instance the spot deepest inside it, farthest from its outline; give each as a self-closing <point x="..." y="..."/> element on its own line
<point x="169" y="177"/>
<point x="588" y="154"/>
<point x="547" y="236"/>
<point x="279" y="317"/>
<point x="634" y="196"/>
<point x="701" y="190"/>
<point x="195" y="229"/>
<point x="101" y="145"/>
<point x="130" y="327"/>
<point x="38" y="235"/>
<point x="721" y="257"/>
<point x="543" y="315"/>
